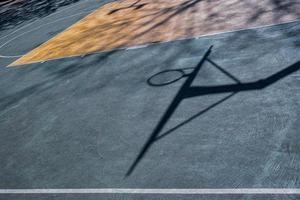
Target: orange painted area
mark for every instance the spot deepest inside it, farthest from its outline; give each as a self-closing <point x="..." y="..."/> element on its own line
<point x="136" y="22"/>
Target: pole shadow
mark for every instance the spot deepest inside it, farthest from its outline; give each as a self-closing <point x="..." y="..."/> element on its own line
<point x="188" y="91"/>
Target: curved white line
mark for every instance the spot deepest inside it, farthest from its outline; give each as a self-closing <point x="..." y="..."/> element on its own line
<point x="59" y="11"/>
<point x="38" y="27"/>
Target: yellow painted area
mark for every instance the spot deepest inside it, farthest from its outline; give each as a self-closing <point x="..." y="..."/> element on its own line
<point x="136" y="22"/>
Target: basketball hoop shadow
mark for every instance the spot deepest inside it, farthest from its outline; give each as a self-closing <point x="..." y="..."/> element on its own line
<point x="173" y="74"/>
<point x="187" y="91"/>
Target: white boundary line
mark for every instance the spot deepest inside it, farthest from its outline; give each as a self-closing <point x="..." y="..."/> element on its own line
<point x="150" y="44"/>
<point x="154" y="191"/>
<point x="59" y="11"/>
<point x="36" y="28"/>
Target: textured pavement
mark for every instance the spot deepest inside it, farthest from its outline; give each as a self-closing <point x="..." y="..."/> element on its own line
<point x="81" y="122"/>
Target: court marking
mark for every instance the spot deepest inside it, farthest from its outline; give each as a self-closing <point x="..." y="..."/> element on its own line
<point x="166" y="41"/>
<point x="37" y="20"/>
<point x="55" y="13"/>
<point x="38" y="27"/>
<point x="154" y="191"/>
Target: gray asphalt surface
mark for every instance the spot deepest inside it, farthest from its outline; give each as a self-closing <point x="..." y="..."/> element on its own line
<point x="81" y="122"/>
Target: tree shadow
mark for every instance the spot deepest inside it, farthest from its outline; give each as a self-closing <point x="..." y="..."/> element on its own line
<point x="15" y="12"/>
<point x="138" y="22"/>
<point x="188" y="91"/>
<point x="135" y="6"/>
<point x="54" y="79"/>
<point x="153" y="18"/>
<point x="280" y="9"/>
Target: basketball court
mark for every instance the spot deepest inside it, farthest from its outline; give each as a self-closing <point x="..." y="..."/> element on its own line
<point x="152" y="100"/>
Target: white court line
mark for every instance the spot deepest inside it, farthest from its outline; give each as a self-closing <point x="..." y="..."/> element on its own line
<point x="55" y="13"/>
<point x="38" y="27"/>
<point x="154" y="191"/>
<point x="137" y="47"/>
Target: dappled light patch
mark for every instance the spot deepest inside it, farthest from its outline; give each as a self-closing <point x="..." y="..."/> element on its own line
<point x="135" y="22"/>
